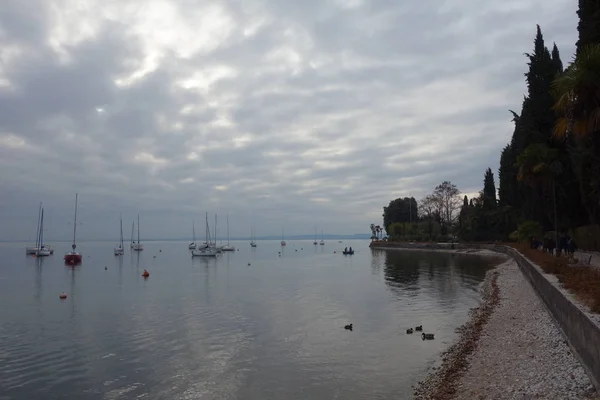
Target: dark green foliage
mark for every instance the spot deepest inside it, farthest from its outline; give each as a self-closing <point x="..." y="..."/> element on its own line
<point x="558" y="65"/>
<point x="400" y="210"/>
<point x="589" y="23"/>
<point x="489" y="190"/>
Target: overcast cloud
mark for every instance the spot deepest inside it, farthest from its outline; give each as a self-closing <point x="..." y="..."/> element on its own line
<point x="278" y="112"/>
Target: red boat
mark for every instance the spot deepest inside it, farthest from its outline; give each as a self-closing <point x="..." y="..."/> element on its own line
<point x="73" y="257"/>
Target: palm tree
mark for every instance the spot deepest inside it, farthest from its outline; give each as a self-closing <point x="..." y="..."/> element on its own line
<point x="577" y="94"/>
<point x="539" y="165"/>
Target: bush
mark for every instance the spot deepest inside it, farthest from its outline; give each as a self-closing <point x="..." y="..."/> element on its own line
<point x="526" y="230"/>
<point x="584" y="282"/>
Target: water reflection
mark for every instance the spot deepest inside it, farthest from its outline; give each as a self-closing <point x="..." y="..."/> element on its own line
<point x="444" y="276"/>
<point x="39" y="263"/>
<point x="402" y="268"/>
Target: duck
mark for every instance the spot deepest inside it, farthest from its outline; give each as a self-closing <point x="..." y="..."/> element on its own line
<point x="427" y="336"/>
<point x="409" y="331"/>
<point x="419" y="328"/>
<point x="348" y="327"/>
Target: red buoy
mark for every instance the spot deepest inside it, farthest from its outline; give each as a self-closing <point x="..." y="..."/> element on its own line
<point x="62" y="296"/>
<point x="146" y="274"/>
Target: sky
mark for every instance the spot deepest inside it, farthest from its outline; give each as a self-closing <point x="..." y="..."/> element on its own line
<point x="289" y="114"/>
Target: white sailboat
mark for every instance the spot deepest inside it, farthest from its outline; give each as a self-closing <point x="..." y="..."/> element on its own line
<point x="138" y="246"/>
<point x="207" y="251"/>
<point x="315" y="242"/>
<point x="228" y="247"/>
<point x="42" y="250"/>
<point x="193" y="245"/>
<point x="252" y="239"/>
<point x="34" y="249"/>
<point x="38" y="246"/>
<point x="322" y="242"/>
<point x="282" y="241"/>
<point x="120" y="250"/>
<point x="219" y="249"/>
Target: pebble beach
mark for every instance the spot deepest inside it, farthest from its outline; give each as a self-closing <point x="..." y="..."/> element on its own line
<point x="509" y="349"/>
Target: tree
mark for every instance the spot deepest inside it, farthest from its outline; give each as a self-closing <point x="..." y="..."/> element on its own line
<point x="489" y="190"/>
<point x="400" y="210"/>
<point x="577" y="94"/>
<point x="430" y="212"/>
<point x="589" y="23"/>
<point x="447" y="196"/>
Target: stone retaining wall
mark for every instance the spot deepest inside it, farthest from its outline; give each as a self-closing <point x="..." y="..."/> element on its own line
<point x="582" y="334"/>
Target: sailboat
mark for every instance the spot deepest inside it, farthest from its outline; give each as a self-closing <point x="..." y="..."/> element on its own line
<point x="228" y="247"/>
<point x="282" y="241"/>
<point x="34" y="249"/>
<point x="193" y="245"/>
<point x="218" y="248"/>
<point x="208" y="251"/>
<point x="120" y="250"/>
<point x="322" y="242"/>
<point x="138" y="246"/>
<point x="315" y="242"/>
<point x="132" y="243"/>
<point x="252" y="241"/>
<point x="73" y="257"/>
<point x="42" y="250"/>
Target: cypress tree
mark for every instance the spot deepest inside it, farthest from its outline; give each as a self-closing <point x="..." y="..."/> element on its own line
<point x="489" y="190"/>
<point x="589" y="23"/>
<point x="558" y="65"/>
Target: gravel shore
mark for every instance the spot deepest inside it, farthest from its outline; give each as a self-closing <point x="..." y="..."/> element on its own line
<point x="510" y="349"/>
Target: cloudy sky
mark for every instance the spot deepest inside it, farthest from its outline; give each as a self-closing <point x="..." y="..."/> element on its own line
<point x="279" y="112"/>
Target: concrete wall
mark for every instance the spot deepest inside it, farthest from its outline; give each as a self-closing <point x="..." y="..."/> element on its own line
<point x="582" y="334"/>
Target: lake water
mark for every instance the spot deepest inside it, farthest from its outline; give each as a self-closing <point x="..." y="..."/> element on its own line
<point x="248" y="325"/>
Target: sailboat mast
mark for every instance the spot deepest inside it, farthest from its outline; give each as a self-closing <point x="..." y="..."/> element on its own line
<point x="75" y="222"/>
<point x="227" y="229"/>
<point x="41" y="233"/>
<point x="138" y="228"/>
<point x="37" y="238"/>
<point x="132" y="228"/>
<point x="121" y="220"/>
<point x="207" y="232"/>
<point x="194" y="232"/>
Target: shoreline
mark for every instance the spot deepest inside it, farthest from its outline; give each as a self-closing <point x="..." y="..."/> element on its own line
<point x="469" y="251"/>
<point x="510" y="348"/>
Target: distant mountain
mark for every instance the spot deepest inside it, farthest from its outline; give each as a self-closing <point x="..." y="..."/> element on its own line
<point x="356" y="236"/>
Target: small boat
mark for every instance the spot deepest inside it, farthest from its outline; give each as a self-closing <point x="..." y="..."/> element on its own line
<point x="193" y="245"/>
<point x="120" y="250"/>
<point x="73" y="257"/>
<point x="138" y="246"/>
<point x="42" y="251"/>
<point x="282" y="241"/>
<point x="207" y="251"/>
<point x="252" y="239"/>
<point x="348" y="252"/>
<point x="322" y="242"/>
<point x="228" y="247"/>
<point x="39" y="249"/>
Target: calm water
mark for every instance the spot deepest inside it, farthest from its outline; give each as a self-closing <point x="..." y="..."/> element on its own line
<point x="223" y="329"/>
